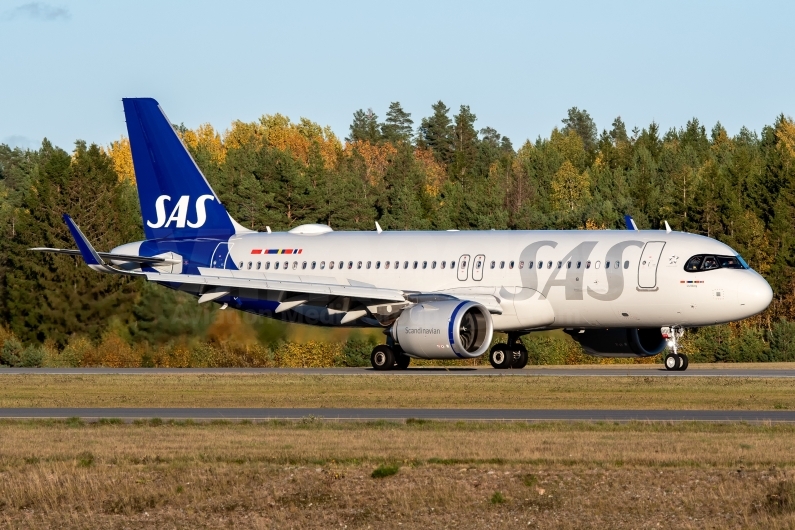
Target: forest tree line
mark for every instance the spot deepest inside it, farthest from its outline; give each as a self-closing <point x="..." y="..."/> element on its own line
<point x="439" y="172"/>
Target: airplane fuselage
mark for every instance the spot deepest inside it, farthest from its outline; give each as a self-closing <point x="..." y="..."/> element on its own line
<point x="528" y="279"/>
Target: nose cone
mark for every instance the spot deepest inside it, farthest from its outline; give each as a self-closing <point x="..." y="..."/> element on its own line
<point x="754" y="294"/>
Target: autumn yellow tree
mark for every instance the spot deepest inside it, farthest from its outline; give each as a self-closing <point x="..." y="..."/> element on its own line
<point x="120" y="154"/>
<point x="570" y="188"/>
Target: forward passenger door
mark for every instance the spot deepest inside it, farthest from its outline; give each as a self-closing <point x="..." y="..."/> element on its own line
<point x="647" y="268"/>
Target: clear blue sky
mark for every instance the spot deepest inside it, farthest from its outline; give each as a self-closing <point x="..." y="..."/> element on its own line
<point x="519" y="65"/>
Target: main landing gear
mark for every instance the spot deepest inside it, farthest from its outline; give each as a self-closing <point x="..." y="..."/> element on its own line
<point x="385" y="357"/>
<point x="674" y="360"/>
<point x="510" y="355"/>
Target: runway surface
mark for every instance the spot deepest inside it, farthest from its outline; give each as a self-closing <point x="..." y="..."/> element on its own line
<point x="780" y="370"/>
<point x="205" y="414"/>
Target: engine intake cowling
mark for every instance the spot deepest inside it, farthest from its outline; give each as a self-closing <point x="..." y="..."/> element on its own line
<point x="620" y="342"/>
<point x="444" y="329"/>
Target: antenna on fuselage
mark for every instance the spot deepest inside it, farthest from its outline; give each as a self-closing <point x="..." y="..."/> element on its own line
<point x="667" y="227"/>
<point x="378" y="227"/>
<point x="268" y="228"/>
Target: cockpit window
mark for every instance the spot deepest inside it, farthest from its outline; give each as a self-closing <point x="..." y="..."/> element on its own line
<point x="706" y="262"/>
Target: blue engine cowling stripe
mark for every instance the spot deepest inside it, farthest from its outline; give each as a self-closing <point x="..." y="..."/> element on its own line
<point x="450" y="329"/>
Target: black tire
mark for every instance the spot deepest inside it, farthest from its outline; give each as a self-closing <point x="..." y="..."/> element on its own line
<point x="671" y="362"/>
<point x="402" y="360"/>
<point x="683" y="363"/>
<point x="382" y="358"/>
<point x="500" y="356"/>
<point x="519" y="358"/>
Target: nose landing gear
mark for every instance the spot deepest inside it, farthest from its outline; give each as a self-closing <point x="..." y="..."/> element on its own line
<point x="674" y="361"/>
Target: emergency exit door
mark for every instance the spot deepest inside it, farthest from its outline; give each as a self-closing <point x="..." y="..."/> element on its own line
<point x="463" y="267"/>
<point x="477" y="267"/>
<point x="649" y="260"/>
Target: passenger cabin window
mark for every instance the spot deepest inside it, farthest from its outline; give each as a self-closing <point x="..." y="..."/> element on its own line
<point x="444" y="263"/>
<point x="313" y="265"/>
<point x="342" y="264"/>
<point x="626" y="264"/>
<point x="521" y="264"/>
<point x="493" y="263"/>
<point x="502" y="264"/>
<point x="377" y="264"/>
<point x="530" y="264"/>
<point x="510" y="265"/>
<point x="560" y="264"/>
<point x="368" y="264"/>
<point x="322" y="265"/>
<point x="386" y="265"/>
<point x="433" y="265"/>
<point x="617" y="265"/>
<point x="540" y="264"/>
<point x="240" y="266"/>
<point x="607" y="264"/>
<point x="259" y="265"/>
<point x="579" y="264"/>
<point x="598" y="264"/>
<point x="350" y="264"/>
<point x="549" y="264"/>
<point x="706" y="262"/>
<point x="405" y="264"/>
<point x="330" y="264"/>
<point x="295" y="265"/>
<point x="268" y="265"/>
<point x="276" y="265"/>
<point x="303" y="265"/>
<point x="359" y="265"/>
<point x="587" y="264"/>
<point x="424" y="264"/>
<point x="286" y="264"/>
<point x="452" y="264"/>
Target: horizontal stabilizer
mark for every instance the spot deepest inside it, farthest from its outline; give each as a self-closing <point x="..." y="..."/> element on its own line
<point x="144" y="260"/>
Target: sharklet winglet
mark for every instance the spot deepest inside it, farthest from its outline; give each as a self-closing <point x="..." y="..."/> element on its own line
<point x="87" y="251"/>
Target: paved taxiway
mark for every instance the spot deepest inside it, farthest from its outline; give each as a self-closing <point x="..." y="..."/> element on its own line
<point x="260" y="414"/>
<point x="642" y="370"/>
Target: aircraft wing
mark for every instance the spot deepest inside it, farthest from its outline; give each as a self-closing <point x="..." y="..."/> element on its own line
<point x="222" y="285"/>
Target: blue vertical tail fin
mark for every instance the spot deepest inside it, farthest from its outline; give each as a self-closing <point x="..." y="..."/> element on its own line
<point x="176" y="199"/>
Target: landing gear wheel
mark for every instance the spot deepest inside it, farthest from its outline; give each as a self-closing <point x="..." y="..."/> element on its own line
<point x="382" y="358"/>
<point x="683" y="362"/>
<point x="402" y="361"/>
<point x="519" y="358"/>
<point x="672" y="362"/>
<point x="500" y="356"/>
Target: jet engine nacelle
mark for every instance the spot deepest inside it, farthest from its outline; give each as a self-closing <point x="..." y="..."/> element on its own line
<point x="620" y="342"/>
<point x="444" y="329"/>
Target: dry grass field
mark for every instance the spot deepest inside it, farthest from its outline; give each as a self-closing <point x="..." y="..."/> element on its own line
<point x="395" y="391"/>
<point x="312" y="474"/>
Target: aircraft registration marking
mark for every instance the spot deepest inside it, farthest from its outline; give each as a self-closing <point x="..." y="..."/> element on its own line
<point x="277" y="251"/>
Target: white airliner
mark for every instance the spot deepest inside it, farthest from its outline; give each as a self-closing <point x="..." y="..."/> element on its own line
<point x="436" y="295"/>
